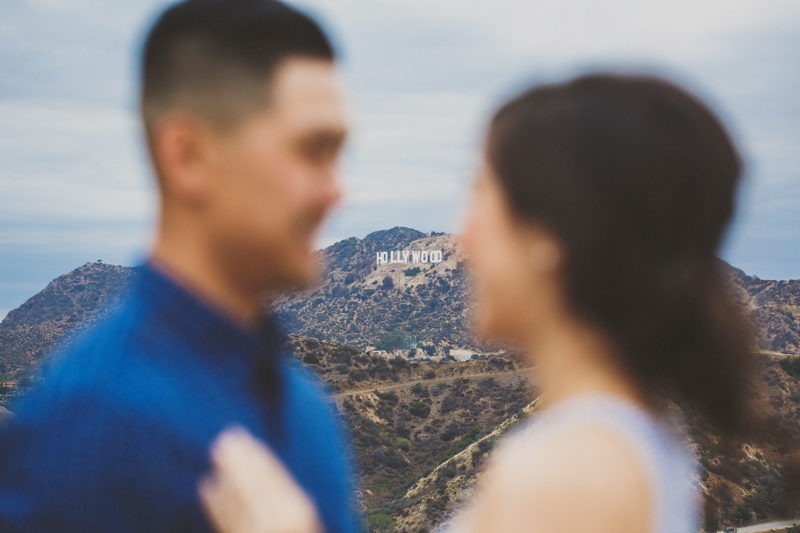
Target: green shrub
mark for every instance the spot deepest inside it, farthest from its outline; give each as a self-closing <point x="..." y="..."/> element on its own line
<point x="357" y="374"/>
<point x="448" y="434"/>
<point x="791" y="365"/>
<point x="311" y="359"/>
<point x="394" y="340"/>
<point x="470" y="437"/>
<point x="390" y="458"/>
<point x="449" y="403"/>
<point x="399" y="361"/>
<point x="448" y="472"/>
<point x="466" y="440"/>
<point x="389" y="398"/>
<point x="419" y="390"/>
<point x="420" y="409"/>
<point x="380" y="523"/>
<point x="498" y="363"/>
<point x="342" y="354"/>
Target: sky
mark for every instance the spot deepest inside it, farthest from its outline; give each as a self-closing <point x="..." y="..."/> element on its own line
<point x="421" y="77"/>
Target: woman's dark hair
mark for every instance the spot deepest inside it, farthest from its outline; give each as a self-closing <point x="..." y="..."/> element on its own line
<point x="637" y="179"/>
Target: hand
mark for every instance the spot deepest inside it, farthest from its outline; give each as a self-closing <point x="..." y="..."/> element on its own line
<point x="251" y="491"/>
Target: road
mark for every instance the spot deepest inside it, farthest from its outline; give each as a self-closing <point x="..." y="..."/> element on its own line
<point x="430" y="381"/>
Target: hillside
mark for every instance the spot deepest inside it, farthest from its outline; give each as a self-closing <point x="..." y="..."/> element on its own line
<point x="409" y="417"/>
<point x="357" y="302"/>
<point x="69" y="303"/>
<point x="422" y="432"/>
<point x="774" y="307"/>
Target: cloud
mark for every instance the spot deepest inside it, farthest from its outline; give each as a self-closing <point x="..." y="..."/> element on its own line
<point x="442" y="61"/>
<point x="69" y="163"/>
<point x="422" y="78"/>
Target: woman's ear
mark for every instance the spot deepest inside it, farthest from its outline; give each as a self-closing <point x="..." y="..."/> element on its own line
<point x="544" y="255"/>
<point x="544" y="251"/>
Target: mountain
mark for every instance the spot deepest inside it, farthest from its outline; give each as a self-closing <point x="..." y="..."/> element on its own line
<point x="69" y="304"/>
<point x="413" y="306"/>
<point x="774" y="307"/>
<point x="359" y="301"/>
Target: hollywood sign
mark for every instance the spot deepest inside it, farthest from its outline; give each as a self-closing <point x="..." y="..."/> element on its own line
<point x="409" y="256"/>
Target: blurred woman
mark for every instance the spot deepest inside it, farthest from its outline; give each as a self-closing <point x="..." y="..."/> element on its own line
<point x="592" y="235"/>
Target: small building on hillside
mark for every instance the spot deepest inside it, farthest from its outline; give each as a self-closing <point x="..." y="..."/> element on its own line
<point x="462" y="354"/>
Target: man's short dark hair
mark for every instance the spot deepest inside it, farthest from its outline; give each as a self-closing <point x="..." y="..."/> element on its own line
<point x="215" y="57"/>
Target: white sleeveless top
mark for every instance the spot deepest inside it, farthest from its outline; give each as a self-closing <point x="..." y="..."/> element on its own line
<point x="671" y="468"/>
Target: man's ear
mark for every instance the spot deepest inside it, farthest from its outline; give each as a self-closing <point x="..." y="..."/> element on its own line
<point x="183" y="154"/>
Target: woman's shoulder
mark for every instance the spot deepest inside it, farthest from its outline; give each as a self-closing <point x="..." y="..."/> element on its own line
<point x="583" y="464"/>
<point x="604" y="426"/>
<point x="601" y="414"/>
<point x="581" y="479"/>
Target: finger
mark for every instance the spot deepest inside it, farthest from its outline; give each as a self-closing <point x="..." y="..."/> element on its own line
<point x="232" y="433"/>
<point x="263" y="488"/>
<point x="250" y="464"/>
<point x="216" y="506"/>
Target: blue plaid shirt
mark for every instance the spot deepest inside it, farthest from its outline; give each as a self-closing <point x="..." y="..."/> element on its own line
<point x="117" y="437"/>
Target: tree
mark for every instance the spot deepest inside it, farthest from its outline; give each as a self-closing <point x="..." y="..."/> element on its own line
<point x="393" y="340"/>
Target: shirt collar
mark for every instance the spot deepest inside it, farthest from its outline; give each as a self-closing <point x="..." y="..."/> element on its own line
<point x="199" y="320"/>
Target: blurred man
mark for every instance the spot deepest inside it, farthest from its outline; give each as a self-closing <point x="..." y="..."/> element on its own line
<point x="244" y="124"/>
